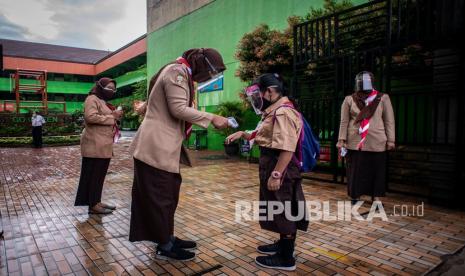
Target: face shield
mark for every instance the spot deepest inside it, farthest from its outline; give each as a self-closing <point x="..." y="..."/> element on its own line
<point x="207" y="74"/>
<point x="214" y="73"/>
<point x="364" y="81"/>
<point x="255" y="98"/>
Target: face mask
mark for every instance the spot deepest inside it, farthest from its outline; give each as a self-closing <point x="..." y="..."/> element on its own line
<point x="266" y="104"/>
<point x="107" y="92"/>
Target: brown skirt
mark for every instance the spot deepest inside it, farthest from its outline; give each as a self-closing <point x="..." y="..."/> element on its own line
<point x="290" y="192"/>
<point x="93" y="172"/>
<point x="366" y="173"/>
<point x="155" y="196"/>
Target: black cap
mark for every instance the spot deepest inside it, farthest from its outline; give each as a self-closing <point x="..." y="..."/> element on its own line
<point x="268" y="80"/>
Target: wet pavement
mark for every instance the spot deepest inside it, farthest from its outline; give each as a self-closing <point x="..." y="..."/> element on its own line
<point x="46" y="235"/>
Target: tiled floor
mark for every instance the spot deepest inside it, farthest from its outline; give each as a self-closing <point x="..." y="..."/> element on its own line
<point x="46" y="234"/>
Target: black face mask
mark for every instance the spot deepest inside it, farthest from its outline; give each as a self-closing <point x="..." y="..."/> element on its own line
<point x="266" y="104"/>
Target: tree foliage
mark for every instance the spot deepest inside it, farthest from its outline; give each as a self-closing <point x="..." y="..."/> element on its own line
<point x="265" y="50"/>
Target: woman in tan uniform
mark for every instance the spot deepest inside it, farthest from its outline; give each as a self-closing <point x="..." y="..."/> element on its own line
<point x="280" y="180"/>
<point x="366" y="131"/>
<point x="158" y="149"/>
<point x="97" y="146"/>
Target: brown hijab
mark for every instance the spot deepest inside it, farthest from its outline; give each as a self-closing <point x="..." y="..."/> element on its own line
<point x="98" y="90"/>
<point x="359" y="97"/>
<point x="204" y="62"/>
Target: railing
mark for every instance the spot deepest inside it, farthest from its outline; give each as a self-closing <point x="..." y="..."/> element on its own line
<point x="381" y="23"/>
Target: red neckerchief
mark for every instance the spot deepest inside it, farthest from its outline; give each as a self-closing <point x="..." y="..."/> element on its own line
<point x="188" y="125"/>
<point x="116" y="131"/>
<point x="365" y="123"/>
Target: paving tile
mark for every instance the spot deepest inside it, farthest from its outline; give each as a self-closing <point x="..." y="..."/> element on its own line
<point x="46" y="235"/>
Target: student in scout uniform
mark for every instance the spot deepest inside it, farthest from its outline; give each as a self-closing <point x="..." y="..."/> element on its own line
<point x="158" y="150"/>
<point x="97" y="145"/>
<point x="367" y="130"/>
<point x="280" y="179"/>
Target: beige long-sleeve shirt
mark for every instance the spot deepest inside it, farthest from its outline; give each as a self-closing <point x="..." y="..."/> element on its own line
<point x="158" y="142"/>
<point x="381" y="130"/>
<point x="97" y="136"/>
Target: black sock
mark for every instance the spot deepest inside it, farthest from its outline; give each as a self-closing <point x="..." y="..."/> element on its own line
<point x="287" y="244"/>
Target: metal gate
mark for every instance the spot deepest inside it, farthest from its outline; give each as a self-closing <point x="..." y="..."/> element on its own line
<point x="412" y="47"/>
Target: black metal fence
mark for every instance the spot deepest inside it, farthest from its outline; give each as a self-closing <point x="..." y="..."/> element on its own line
<point x="414" y="49"/>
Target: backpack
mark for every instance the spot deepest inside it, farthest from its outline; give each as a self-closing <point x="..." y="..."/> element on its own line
<point x="308" y="146"/>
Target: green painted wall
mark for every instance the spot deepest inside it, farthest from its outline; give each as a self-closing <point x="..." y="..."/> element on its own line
<point x="65" y="87"/>
<point x="68" y="87"/>
<point x="131" y="78"/>
<point x="220" y="24"/>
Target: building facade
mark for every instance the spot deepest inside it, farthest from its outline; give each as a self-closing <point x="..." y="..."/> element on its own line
<point x="71" y="72"/>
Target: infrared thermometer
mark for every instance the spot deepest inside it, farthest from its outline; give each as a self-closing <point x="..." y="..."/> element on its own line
<point x="232" y="122"/>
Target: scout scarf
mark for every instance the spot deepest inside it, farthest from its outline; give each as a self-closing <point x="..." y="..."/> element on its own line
<point x="367" y="103"/>
<point x="116" y="131"/>
<point x="188" y="126"/>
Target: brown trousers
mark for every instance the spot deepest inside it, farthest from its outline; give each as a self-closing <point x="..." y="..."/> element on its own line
<point x="93" y="172"/>
<point x="155" y="196"/>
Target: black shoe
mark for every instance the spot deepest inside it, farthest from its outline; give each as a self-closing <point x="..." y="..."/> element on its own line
<point x="184" y="244"/>
<point x="276" y="262"/>
<point x="269" y="249"/>
<point x="176" y="254"/>
<point x="354" y="201"/>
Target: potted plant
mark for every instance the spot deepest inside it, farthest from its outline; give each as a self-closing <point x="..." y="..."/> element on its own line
<point x="236" y="110"/>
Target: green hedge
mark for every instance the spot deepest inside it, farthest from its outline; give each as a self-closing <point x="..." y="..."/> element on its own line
<point x="47" y="140"/>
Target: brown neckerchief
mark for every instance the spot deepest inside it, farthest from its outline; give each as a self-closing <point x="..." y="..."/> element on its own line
<point x="366" y="111"/>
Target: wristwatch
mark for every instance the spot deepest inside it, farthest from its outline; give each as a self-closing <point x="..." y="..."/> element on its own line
<point x="276" y="175"/>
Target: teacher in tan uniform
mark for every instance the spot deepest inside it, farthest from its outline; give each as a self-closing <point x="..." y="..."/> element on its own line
<point x="366" y="132"/>
<point x="158" y="150"/>
<point x="97" y="145"/>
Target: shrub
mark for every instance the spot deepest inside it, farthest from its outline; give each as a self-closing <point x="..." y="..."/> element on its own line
<point x="50" y="140"/>
<point x="270" y="51"/>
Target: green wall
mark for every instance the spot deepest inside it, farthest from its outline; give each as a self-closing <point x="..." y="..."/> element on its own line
<point x="220" y="25"/>
<point x="66" y="87"/>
